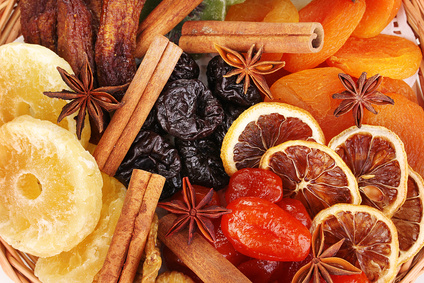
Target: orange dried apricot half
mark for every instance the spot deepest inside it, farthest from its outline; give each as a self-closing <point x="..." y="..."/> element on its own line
<point x="370" y="238"/>
<point x="51" y="187"/>
<point x="377" y="158"/>
<point x="338" y="17"/>
<point x="312" y="173"/>
<point x="389" y="85"/>
<point x="378" y="14"/>
<point x="387" y="55"/>
<point x="261" y="127"/>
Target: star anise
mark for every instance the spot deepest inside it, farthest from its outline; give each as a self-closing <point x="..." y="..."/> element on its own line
<point x="249" y="68"/>
<point x="324" y="262"/>
<point x="85" y="97"/>
<point x="192" y="213"/>
<point x="358" y="95"/>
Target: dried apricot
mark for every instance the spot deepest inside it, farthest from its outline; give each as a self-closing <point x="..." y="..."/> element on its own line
<point x="311" y="90"/>
<point x="338" y="17"/>
<point x="378" y="14"/>
<point x="387" y="55"/>
<point x="389" y="85"/>
<point x="406" y="119"/>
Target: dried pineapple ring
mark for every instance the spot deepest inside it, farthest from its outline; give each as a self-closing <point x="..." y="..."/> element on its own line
<point x="51" y="187"/>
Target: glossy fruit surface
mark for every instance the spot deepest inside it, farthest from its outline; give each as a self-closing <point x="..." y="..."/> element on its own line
<point x="261" y="229"/>
<point x="261" y="271"/>
<point x="296" y="209"/>
<point x="255" y="182"/>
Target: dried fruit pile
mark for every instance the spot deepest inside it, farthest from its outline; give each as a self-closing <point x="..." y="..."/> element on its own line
<point x="262" y="158"/>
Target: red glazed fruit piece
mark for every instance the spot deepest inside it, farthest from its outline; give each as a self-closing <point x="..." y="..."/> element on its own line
<point x="356" y="278"/>
<point x="290" y="268"/>
<point x="200" y="194"/>
<point x="261" y="229"/>
<point x="254" y="182"/>
<point x="296" y="209"/>
<point x="261" y="271"/>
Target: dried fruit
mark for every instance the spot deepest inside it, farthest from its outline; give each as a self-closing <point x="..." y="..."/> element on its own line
<point x="187" y="110"/>
<point x="296" y="209"/>
<point x="312" y="173"/>
<point x="261" y="229"/>
<point x="370" y="238"/>
<point x="339" y="18"/>
<point x="186" y="68"/>
<point x="51" y="187"/>
<point x="387" y="55"/>
<point x="254" y="132"/>
<point x="377" y="158"/>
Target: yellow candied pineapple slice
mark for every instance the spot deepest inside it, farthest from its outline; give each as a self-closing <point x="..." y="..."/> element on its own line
<point x="84" y="261"/>
<point x="27" y="70"/>
<point x="51" y="187"/>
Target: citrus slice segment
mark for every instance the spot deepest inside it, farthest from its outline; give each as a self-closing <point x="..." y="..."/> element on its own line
<point x="370" y="238"/>
<point x="312" y="173"/>
<point x="27" y="70"/>
<point x="378" y="160"/>
<point x="51" y="187"/>
<point x="409" y="219"/>
<point x="84" y="261"/>
<point x="261" y="127"/>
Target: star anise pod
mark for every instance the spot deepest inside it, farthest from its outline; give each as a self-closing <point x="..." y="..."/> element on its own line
<point x="249" y="67"/>
<point x="194" y="214"/>
<point x="86" y="98"/>
<point x="324" y="262"/>
<point x="358" y="95"/>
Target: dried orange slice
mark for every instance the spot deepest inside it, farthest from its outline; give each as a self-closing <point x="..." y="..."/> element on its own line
<point x="263" y="126"/>
<point x="377" y="158"/>
<point x="370" y="238"/>
<point x="51" y="187"/>
<point x="409" y="219"/>
<point x="312" y="173"/>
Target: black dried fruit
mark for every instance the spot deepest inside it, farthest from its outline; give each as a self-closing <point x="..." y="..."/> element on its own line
<point x="186" y="68"/>
<point x="152" y="153"/>
<point x="226" y="88"/>
<point x="202" y="163"/>
<point x="187" y="110"/>
<point x="231" y="113"/>
<point x="151" y="123"/>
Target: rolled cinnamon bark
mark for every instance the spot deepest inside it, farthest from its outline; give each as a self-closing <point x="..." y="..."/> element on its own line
<point x="200" y="36"/>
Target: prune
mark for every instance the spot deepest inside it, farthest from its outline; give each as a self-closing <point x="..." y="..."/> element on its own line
<point x="201" y="163"/>
<point x="226" y="88"/>
<point x="187" y="110"/>
<point x="231" y="112"/>
<point x="152" y="153"/>
<point x="186" y="68"/>
<point x="152" y="124"/>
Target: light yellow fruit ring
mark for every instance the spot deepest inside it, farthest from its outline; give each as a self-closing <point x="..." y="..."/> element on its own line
<point x="50" y="187"/>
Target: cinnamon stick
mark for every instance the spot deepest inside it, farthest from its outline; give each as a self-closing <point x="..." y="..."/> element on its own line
<point x="12" y="28"/>
<point x="161" y="21"/>
<point x="200" y="256"/>
<point x="142" y="228"/>
<point x="200" y="36"/>
<point x="115" y="257"/>
<point x="139" y="99"/>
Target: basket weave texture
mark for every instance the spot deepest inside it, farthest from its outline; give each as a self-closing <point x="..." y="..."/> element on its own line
<point x="19" y="266"/>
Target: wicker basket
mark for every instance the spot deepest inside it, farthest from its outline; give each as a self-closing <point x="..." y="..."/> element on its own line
<point x="19" y="266"/>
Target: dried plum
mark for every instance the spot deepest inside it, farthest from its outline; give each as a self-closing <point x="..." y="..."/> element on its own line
<point x="226" y="88"/>
<point x="231" y="113"/>
<point x="201" y="163"/>
<point x="152" y="153"/>
<point x="186" y="68"/>
<point x="187" y="110"/>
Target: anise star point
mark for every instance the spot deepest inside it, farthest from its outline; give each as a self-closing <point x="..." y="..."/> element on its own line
<point x="86" y="98"/>
<point x="249" y="67"/>
<point x="360" y="95"/>
<point x="193" y="214"/>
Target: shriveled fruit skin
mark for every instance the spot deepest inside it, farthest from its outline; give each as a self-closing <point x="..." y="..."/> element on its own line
<point x="261" y="229"/>
<point x="82" y="263"/>
<point x="387" y="55"/>
<point x="389" y="85"/>
<point x="312" y="90"/>
<point x="51" y="187"/>
<point x="406" y="119"/>
<point x="338" y="17"/>
<point x="378" y="14"/>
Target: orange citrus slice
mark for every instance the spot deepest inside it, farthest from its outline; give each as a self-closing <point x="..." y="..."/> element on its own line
<point x="370" y="238"/>
<point x="261" y="127"/>
<point x="378" y="160"/>
<point x="312" y="173"/>
<point x="409" y="219"/>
